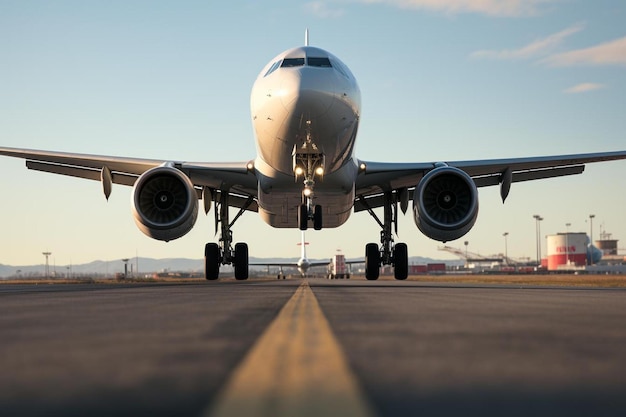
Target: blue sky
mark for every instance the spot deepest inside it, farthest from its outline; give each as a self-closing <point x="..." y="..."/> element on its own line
<point x="444" y="80"/>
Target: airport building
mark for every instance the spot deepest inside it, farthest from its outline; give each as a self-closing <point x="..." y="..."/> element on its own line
<point x="607" y="245"/>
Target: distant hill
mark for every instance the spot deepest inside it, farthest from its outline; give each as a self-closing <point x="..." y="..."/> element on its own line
<point x="149" y="266"/>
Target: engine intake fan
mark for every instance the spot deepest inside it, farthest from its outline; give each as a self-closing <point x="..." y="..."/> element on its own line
<point x="445" y="204"/>
<point x="165" y="203"/>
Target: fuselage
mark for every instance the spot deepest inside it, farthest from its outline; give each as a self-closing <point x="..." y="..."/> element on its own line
<point x="305" y="101"/>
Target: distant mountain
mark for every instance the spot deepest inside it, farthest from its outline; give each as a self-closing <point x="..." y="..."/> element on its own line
<point x="150" y="266"/>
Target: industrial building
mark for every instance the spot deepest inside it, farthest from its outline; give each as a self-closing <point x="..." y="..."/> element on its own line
<point x="564" y="252"/>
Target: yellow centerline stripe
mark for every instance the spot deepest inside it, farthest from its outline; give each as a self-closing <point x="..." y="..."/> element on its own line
<point x="296" y="368"/>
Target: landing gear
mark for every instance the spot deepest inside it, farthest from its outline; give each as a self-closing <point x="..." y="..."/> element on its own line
<point x="372" y="261"/>
<point x="387" y="253"/>
<point x="223" y="253"/>
<point x="400" y="261"/>
<point x="305" y="214"/>
<point x="240" y="261"/>
<point x="308" y="163"/>
<point x="303" y="217"/>
<point x="212" y="261"/>
<point x="281" y="274"/>
<point x="317" y="217"/>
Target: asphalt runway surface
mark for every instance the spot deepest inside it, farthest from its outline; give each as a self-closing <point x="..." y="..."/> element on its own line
<point x="381" y="348"/>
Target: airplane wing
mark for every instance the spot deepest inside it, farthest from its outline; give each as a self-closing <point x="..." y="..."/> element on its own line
<point x="233" y="177"/>
<point x="380" y="177"/>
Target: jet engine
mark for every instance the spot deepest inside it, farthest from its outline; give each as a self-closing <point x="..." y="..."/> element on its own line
<point x="164" y="203"/>
<point x="445" y="204"/>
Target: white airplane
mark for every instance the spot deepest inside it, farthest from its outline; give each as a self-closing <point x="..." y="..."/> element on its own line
<point x="303" y="264"/>
<point x="305" y="109"/>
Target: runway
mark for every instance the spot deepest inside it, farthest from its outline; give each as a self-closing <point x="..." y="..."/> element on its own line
<point x="271" y="347"/>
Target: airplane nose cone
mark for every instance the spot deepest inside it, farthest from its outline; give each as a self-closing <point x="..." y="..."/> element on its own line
<point x="307" y="91"/>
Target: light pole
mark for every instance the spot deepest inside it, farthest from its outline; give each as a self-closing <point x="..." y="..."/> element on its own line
<point x="567" y="225"/>
<point x="125" y="260"/>
<point x="591" y="216"/>
<point x="506" y="249"/>
<point x="47" y="254"/>
<point x="466" y="243"/>
<point x="538" y="219"/>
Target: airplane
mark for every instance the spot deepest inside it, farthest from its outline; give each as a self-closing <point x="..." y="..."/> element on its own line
<point x="305" y="109"/>
<point x="303" y="264"/>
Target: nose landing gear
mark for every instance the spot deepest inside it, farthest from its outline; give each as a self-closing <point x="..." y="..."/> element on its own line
<point x="308" y="212"/>
<point x="308" y="162"/>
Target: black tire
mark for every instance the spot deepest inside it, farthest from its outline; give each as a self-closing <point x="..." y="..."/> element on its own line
<point x="400" y="261"/>
<point x="317" y="217"/>
<point x="211" y="261"/>
<point x="303" y="217"/>
<point x="241" y="261"/>
<point x="372" y="261"/>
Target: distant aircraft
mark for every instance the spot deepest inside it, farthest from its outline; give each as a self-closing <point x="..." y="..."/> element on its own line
<point x="305" y="109"/>
<point x="303" y="264"/>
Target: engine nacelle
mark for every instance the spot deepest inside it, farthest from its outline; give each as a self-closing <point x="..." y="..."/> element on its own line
<point x="445" y="204"/>
<point x="164" y="203"/>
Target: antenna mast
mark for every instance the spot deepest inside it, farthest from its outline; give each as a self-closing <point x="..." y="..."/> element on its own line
<point x="306" y="37"/>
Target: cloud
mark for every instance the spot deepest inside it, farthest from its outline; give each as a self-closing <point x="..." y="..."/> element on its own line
<point x="322" y="10"/>
<point x="540" y="47"/>
<point x="583" y="88"/>
<point x="608" y="53"/>
<point x="495" y="8"/>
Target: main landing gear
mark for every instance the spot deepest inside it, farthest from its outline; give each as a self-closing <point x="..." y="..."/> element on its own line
<point x="223" y="253"/>
<point x="387" y="253"/>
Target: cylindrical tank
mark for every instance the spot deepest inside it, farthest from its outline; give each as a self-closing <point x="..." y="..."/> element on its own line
<point x="567" y="249"/>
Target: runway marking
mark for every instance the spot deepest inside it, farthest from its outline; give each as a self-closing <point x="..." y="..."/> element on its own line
<point x="296" y="368"/>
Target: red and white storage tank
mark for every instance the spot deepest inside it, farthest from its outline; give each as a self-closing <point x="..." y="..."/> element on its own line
<point x="567" y="250"/>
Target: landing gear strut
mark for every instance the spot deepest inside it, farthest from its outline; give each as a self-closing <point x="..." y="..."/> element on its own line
<point x="223" y="253"/>
<point x="308" y="162"/>
<point x="387" y="253"/>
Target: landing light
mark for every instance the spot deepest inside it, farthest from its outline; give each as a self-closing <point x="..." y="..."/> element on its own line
<point x="362" y="167"/>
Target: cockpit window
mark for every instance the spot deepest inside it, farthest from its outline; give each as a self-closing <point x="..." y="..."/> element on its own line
<point x="292" y="62"/>
<point x="273" y="68"/>
<point x="339" y="67"/>
<point x="319" y="62"/>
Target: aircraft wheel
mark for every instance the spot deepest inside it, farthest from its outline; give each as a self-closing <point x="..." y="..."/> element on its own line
<point x="372" y="261"/>
<point x="303" y="217"/>
<point x="211" y="261"/>
<point x="317" y="217"/>
<point x="241" y="261"/>
<point x="401" y="261"/>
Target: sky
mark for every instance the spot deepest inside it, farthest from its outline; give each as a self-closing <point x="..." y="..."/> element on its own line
<point x="440" y="81"/>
